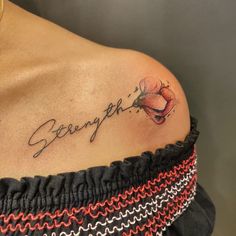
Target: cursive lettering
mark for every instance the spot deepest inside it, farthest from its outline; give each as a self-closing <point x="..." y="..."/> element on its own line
<point x="55" y="131"/>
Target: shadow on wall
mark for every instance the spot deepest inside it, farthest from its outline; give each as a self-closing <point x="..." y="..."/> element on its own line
<point x="196" y="41"/>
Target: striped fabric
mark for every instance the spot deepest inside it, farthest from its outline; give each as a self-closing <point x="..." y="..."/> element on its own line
<point x="144" y="209"/>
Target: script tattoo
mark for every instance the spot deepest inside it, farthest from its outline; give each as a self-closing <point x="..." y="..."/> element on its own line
<point x="58" y="132"/>
<point x="155" y="98"/>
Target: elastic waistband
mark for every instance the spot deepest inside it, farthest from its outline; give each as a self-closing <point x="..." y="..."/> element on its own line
<point x="140" y="195"/>
<point x="146" y="209"/>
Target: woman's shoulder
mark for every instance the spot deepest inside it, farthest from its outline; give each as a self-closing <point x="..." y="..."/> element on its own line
<point x="160" y="109"/>
<point x="90" y="112"/>
<point x="140" y="103"/>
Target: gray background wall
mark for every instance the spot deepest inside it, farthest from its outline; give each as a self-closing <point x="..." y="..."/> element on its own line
<point x="196" y="41"/>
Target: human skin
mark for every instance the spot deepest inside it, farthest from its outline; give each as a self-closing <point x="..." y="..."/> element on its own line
<point x="48" y="74"/>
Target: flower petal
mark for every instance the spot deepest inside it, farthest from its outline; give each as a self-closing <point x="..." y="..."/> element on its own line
<point x="167" y="94"/>
<point x="150" y="85"/>
<point x="154" y="116"/>
<point x="154" y="101"/>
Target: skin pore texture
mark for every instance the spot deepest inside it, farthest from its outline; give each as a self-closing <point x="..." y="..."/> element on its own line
<point x="68" y="103"/>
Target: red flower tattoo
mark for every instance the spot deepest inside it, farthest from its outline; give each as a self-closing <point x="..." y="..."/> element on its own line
<point x="155" y="98"/>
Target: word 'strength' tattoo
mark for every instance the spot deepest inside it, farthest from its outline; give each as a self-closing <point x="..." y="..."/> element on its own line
<point x="155" y="98"/>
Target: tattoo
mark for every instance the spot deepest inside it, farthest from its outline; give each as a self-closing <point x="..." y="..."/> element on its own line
<point x="155" y="98"/>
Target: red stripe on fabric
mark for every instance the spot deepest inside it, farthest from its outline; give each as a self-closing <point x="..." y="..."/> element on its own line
<point x="163" y="223"/>
<point x="121" y="205"/>
<point x="90" y="207"/>
<point x="58" y="213"/>
<point x="45" y="225"/>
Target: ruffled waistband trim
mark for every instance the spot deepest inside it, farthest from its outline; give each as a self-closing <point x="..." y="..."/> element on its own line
<point x="96" y="183"/>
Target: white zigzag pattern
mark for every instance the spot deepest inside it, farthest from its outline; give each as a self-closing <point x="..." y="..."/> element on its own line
<point x="176" y="215"/>
<point x="173" y="191"/>
<point x="138" y="219"/>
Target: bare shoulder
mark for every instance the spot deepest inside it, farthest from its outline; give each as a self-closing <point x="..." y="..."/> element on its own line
<point x="82" y="104"/>
<point x="160" y="105"/>
<point x="114" y="104"/>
